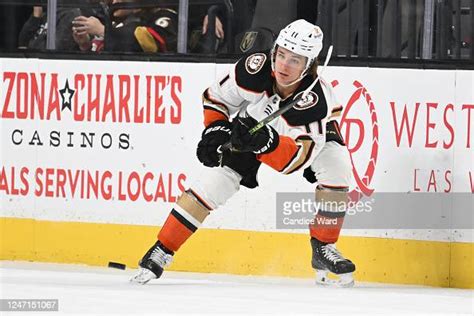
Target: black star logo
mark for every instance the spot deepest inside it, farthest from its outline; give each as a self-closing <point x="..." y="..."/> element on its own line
<point x="66" y="96"/>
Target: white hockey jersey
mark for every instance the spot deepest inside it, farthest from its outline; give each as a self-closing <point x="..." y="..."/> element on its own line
<point x="249" y="87"/>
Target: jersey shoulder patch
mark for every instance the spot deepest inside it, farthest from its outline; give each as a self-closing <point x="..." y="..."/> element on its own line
<point x="254" y="63"/>
<point x="311" y="99"/>
<point x="254" y="72"/>
<point x="312" y="108"/>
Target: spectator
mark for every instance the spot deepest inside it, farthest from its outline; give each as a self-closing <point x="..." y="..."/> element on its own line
<point x="243" y="15"/>
<point x="263" y="33"/>
<point x="133" y="30"/>
<point x="202" y="41"/>
<point x="33" y="33"/>
<point x="143" y="30"/>
<point x="245" y="9"/>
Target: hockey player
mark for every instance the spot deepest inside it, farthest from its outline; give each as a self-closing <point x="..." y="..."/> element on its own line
<point x="308" y="138"/>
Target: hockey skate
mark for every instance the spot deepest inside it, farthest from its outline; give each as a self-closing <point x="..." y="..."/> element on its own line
<point x="152" y="264"/>
<point x="327" y="259"/>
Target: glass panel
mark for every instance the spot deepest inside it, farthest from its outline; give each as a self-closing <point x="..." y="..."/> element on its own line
<point x="415" y="29"/>
<point x="130" y="26"/>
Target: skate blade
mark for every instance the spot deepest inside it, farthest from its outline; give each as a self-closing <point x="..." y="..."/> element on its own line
<point x="343" y="280"/>
<point x="143" y="276"/>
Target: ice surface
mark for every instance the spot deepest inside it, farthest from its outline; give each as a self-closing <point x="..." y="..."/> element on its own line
<point x="88" y="290"/>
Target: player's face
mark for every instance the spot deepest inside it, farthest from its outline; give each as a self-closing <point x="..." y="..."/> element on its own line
<point x="288" y="66"/>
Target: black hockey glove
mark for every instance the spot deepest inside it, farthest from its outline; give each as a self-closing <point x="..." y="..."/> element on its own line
<point x="212" y="137"/>
<point x="309" y="175"/>
<point x="264" y="141"/>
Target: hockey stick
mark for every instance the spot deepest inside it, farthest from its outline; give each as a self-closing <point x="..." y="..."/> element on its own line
<point x="281" y="111"/>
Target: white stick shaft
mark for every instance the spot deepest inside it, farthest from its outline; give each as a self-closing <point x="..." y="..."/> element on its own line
<point x="326" y="62"/>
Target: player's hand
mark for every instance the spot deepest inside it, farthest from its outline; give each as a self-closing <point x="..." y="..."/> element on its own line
<point x="213" y="136"/>
<point x="264" y="141"/>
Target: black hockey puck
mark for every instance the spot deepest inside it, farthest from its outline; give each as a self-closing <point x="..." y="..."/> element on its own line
<point x="117" y="265"/>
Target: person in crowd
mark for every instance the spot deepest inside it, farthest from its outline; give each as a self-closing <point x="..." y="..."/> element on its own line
<point x="150" y="30"/>
<point x="243" y="15"/>
<point x="33" y="34"/>
<point x="243" y="21"/>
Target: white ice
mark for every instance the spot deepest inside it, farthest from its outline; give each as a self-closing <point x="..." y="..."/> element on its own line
<point x="88" y="290"/>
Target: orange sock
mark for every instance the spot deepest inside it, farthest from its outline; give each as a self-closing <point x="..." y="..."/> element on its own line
<point x="326" y="229"/>
<point x="175" y="231"/>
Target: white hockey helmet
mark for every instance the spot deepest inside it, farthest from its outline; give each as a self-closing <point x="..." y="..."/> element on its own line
<point x="302" y="38"/>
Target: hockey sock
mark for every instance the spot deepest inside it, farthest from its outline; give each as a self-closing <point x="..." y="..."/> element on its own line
<point x="184" y="219"/>
<point x="332" y="204"/>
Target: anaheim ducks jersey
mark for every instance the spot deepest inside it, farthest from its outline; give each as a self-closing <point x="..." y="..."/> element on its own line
<point x="249" y="87"/>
